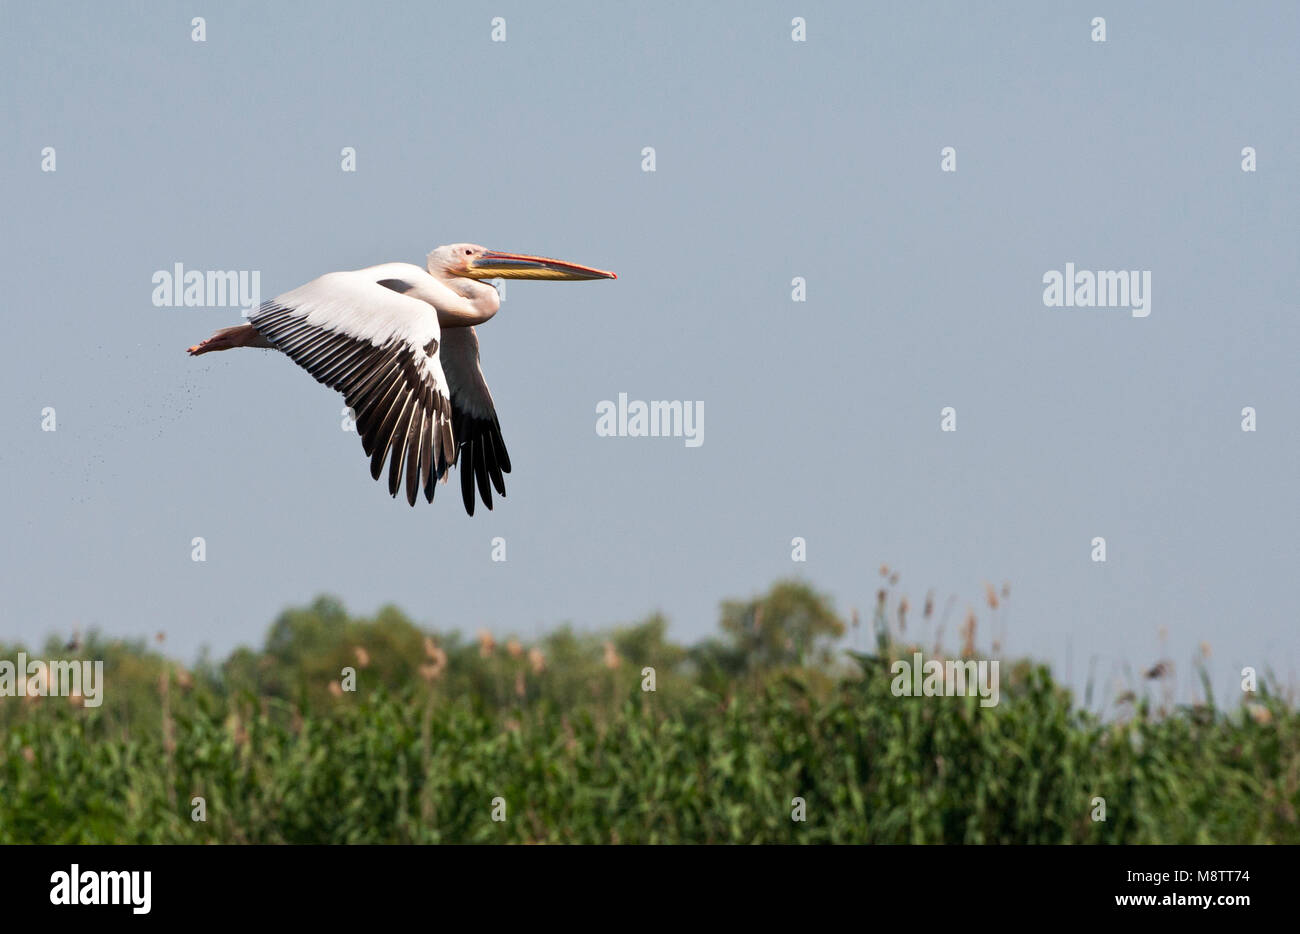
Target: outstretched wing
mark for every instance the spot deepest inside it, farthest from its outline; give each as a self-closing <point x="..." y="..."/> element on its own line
<point x="379" y="348"/>
<point x="482" y="455"/>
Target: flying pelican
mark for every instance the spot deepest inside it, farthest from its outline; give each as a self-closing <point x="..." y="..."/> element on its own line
<point x="399" y="343"/>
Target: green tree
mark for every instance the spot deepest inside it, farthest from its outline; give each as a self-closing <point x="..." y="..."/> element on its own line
<point x="792" y="624"/>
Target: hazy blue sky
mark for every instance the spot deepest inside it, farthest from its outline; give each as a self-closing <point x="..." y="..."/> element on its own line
<point x="775" y="159"/>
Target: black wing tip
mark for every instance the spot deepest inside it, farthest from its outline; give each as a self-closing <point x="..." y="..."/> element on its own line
<point x="466" y="483"/>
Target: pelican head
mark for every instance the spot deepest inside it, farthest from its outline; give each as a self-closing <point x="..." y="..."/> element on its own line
<point x="471" y="261"/>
